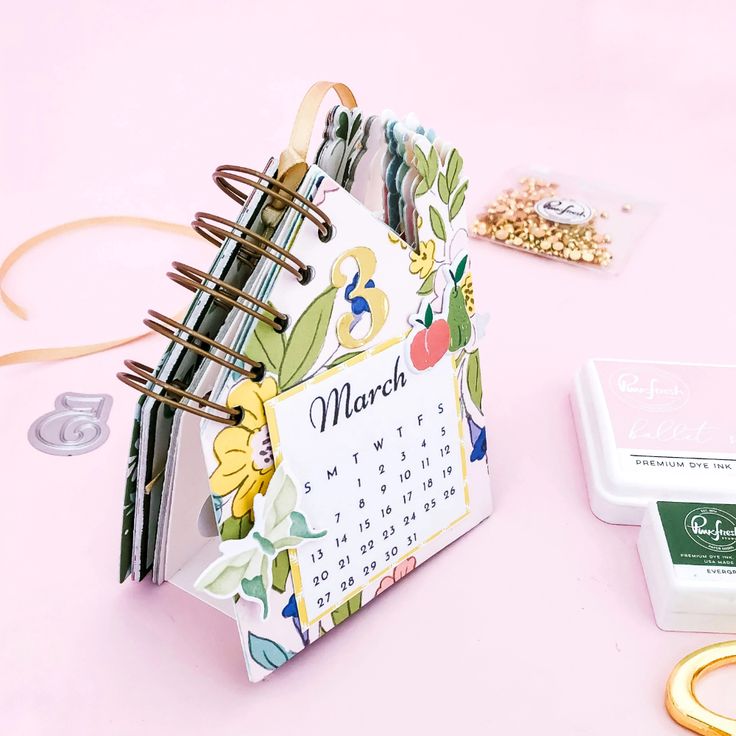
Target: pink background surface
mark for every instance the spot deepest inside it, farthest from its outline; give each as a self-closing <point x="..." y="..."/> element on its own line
<point x="112" y="109"/>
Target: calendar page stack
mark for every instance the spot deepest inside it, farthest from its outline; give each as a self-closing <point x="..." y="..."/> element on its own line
<point x="326" y="435"/>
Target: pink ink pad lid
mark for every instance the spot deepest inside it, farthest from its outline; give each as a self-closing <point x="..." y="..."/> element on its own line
<point x="655" y="432"/>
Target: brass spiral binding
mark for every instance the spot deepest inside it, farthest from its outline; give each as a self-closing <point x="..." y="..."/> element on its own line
<point x="217" y="235"/>
<point x="193" y="279"/>
<point x="217" y="230"/>
<point x="166" y="326"/>
<point x="225" y="174"/>
<point x="171" y="329"/>
<point x="143" y="374"/>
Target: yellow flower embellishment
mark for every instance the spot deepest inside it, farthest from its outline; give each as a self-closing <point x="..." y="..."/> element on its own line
<point x="396" y="240"/>
<point x="466" y="286"/>
<point x="422" y="260"/>
<point x="244" y="454"/>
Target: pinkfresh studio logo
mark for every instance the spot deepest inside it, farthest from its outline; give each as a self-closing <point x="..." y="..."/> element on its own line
<point x="712" y="528"/>
<point x="651" y="389"/>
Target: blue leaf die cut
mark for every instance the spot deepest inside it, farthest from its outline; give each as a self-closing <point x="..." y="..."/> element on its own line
<point x="267" y="653"/>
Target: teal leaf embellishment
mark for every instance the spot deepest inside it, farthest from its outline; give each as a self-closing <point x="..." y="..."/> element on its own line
<point x="247" y="567"/>
<point x="300" y="529"/>
<point x="267" y="346"/>
<point x="267" y="653"/>
<point x="474" y="382"/>
<point x="427" y="286"/>
<point x="458" y="200"/>
<point x="347" y="609"/>
<point x="256" y="588"/>
<point x="438" y="227"/>
<point x="307" y="339"/>
<point x="266" y="546"/>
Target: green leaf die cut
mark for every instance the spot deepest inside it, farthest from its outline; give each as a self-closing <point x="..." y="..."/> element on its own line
<point x="474" y="382"/>
<point x="266" y="652"/>
<point x="347" y="609"/>
<point x="454" y="167"/>
<point x="267" y="346"/>
<point x="458" y="200"/>
<point x="443" y="189"/>
<point x="427" y="286"/>
<point x="343" y="358"/>
<point x="234" y="528"/>
<point x="438" y="227"/>
<point x="280" y="569"/>
<point x="421" y="162"/>
<point x="433" y="165"/>
<point x="307" y="339"/>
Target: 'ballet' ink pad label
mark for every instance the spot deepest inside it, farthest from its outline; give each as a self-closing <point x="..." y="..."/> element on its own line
<point x="672" y="419"/>
<point x="655" y="431"/>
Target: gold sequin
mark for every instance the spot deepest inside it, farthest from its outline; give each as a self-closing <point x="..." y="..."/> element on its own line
<point x="512" y="220"/>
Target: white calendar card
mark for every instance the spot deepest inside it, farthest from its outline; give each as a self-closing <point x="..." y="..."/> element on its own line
<point x="375" y="450"/>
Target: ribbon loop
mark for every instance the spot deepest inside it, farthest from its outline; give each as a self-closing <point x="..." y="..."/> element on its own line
<point x="301" y="134"/>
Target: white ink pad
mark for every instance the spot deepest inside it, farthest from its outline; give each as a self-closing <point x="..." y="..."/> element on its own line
<point x="655" y="432"/>
<point x="688" y="552"/>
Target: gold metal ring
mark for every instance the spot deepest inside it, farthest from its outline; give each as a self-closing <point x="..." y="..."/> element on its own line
<point x="224" y="174"/>
<point x="176" y="327"/>
<point x="218" y="235"/>
<point x="682" y="703"/>
<point x="195" y="280"/>
<point x="138" y="382"/>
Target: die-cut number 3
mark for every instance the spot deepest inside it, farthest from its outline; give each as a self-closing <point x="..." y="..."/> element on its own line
<point x="377" y="300"/>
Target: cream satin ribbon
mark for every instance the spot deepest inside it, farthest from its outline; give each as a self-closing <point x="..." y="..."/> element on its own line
<point x="292" y="163"/>
<point x="301" y="134"/>
<point x="75" y="351"/>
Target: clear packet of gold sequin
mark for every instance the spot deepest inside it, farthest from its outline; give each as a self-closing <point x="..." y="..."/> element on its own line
<point x="564" y="218"/>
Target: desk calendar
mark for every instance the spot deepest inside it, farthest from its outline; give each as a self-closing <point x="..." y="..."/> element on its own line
<point x="340" y="442"/>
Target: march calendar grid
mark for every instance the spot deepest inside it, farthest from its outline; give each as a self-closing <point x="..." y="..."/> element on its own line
<point x="377" y="454"/>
